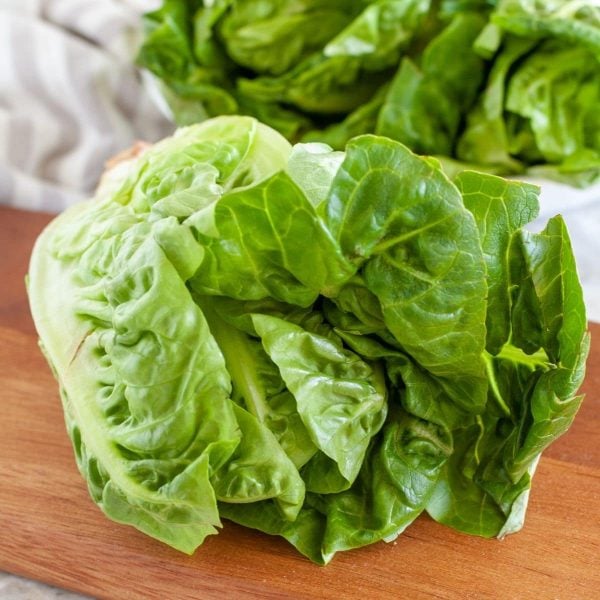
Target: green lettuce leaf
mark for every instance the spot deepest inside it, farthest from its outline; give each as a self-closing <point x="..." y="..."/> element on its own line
<point x="425" y="105"/>
<point x="258" y="247"/>
<point x="404" y="222"/>
<point x="572" y="21"/>
<point x="147" y="426"/>
<point x="501" y="209"/>
<point x="537" y="345"/>
<point x="340" y="398"/>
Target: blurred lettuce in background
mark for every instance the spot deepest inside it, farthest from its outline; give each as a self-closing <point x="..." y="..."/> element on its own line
<point x="505" y="87"/>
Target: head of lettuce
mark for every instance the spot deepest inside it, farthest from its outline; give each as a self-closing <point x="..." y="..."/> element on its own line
<point x="316" y="344"/>
<point x="505" y="86"/>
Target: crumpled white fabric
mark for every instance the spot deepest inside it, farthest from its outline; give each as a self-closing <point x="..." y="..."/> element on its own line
<point x="71" y="97"/>
<point x="581" y="212"/>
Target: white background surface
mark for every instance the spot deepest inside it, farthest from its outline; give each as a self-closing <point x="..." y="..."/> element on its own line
<point x="17" y="588"/>
<point x="581" y="211"/>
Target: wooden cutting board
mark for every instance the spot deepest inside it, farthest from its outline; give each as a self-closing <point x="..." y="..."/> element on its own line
<point x="50" y="530"/>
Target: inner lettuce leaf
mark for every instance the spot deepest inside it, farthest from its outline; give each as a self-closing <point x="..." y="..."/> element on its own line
<point x="499" y="86"/>
<point x="317" y="344"/>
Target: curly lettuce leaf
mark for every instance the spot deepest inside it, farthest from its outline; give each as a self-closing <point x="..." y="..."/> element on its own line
<point x="147" y="426"/>
<point x="573" y="21"/>
<point x="537" y="343"/>
<point x="340" y="398"/>
<point x="258" y="247"/>
<point x="419" y="254"/>
<point x="425" y="104"/>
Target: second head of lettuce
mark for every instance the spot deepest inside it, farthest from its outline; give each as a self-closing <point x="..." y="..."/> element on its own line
<point x="505" y="86"/>
<point x="316" y="344"/>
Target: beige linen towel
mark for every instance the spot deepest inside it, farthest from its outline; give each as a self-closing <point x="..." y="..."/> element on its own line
<point x="70" y="96"/>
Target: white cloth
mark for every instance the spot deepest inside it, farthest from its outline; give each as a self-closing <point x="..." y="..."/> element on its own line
<point x="70" y="96"/>
<point x="581" y="212"/>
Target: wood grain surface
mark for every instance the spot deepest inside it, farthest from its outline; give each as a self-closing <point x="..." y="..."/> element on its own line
<point x="50" y="529"/>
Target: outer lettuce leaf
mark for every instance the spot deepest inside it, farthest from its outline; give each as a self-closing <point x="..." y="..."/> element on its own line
<point x="485" y="483"/>
<point x="501" y="209"/>
<point x="147" y="426"/>
<point x="340" y="398"/>
<point x="425" y="263"/>
<point x="258" y="249"/>
<point x="549" y="259"/>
